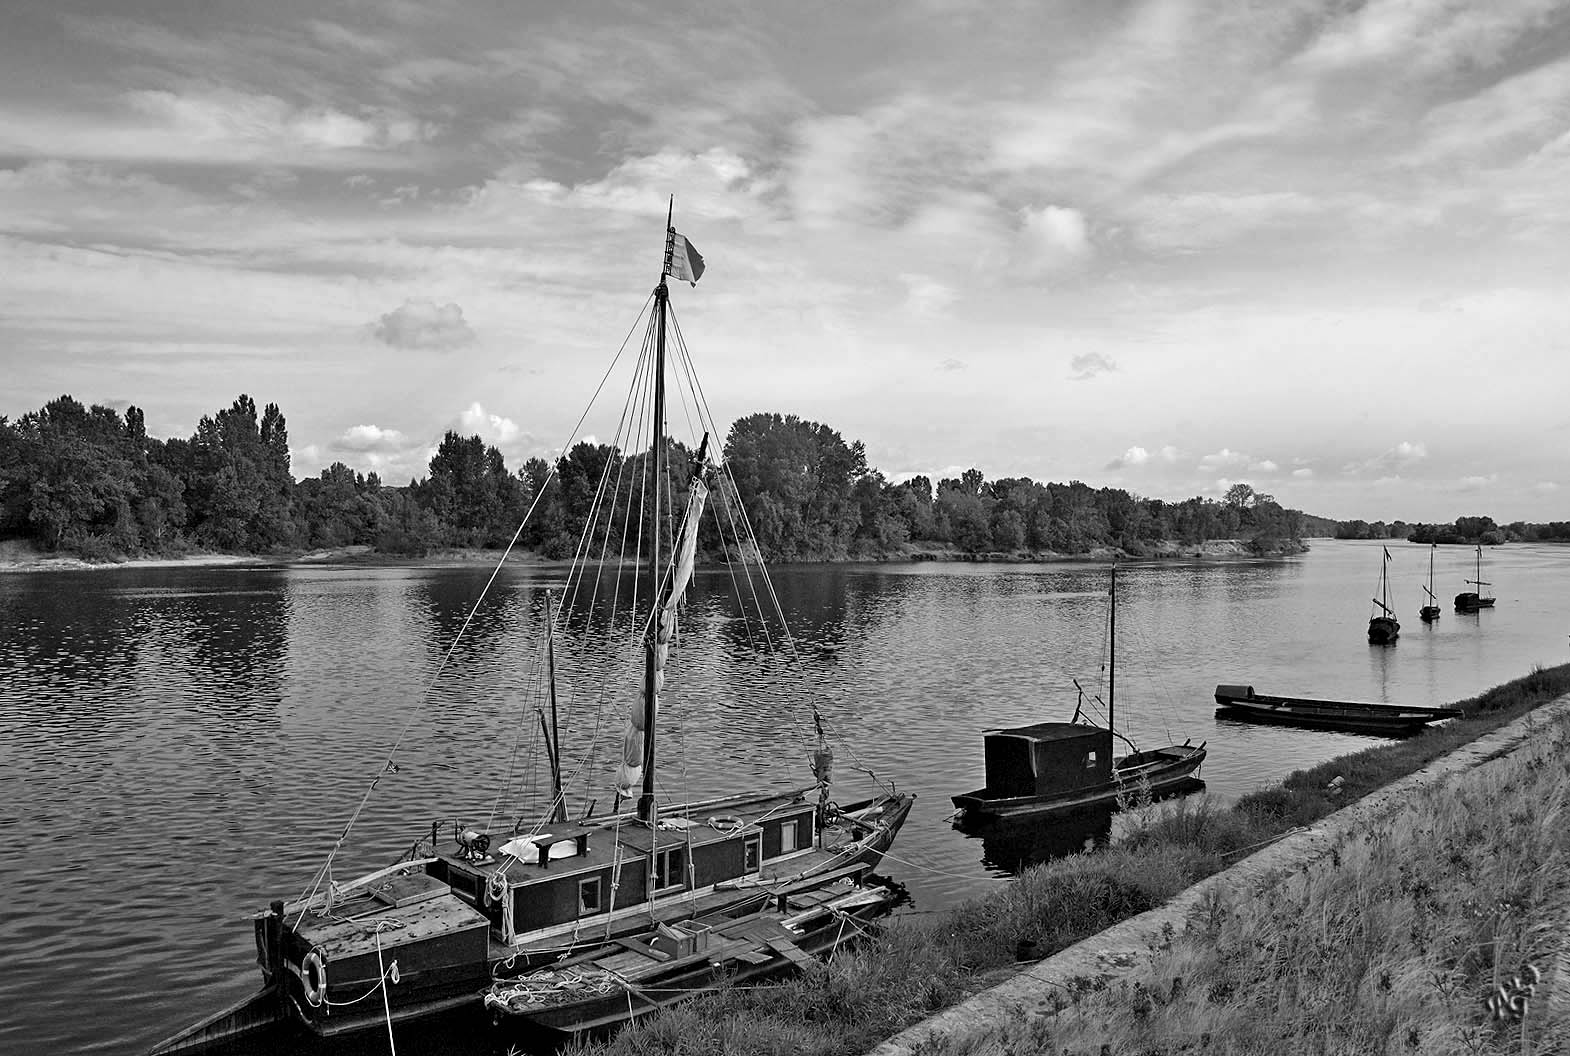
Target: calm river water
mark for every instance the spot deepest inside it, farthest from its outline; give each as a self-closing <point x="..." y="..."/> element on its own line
<point x="179" y="746"/>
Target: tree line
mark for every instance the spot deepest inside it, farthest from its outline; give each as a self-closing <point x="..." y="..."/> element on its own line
<point x="91" y="481"/>
<point x="1469" y="530"/>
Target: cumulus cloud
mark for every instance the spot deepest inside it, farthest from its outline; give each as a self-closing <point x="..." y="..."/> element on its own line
<point x="493" y="428"/>
<point x="423" y="324"/>
<point x="1475" y="483"/>
<point x="1088" y="365"/>
<point x="1223" y="458"/>
<point x="1303" y="474"/>
<point x="1134" y="456"/>
<point x="1052" y="237"/>
<point x="365" y="438"/>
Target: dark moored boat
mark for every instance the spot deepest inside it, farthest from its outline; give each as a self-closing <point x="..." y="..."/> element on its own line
<point x="1056" y="767"/>
<point x="1472" y="601"/>
<point x="1351" y="716"/>
<point x="1383" y="627"/>
<point x="1430" y="612"/>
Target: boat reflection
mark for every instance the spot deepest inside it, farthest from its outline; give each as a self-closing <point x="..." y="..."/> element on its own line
<point x="1009" y="847"/>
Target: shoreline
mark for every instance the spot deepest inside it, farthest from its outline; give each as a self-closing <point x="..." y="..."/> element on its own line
<point x="18" y="557"/>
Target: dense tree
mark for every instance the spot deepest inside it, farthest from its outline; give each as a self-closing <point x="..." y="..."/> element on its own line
<point x="90" y="480"/>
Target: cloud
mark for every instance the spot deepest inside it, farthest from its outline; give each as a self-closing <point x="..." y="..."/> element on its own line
<point x="1134" y="456"/>
<point x="1390" y="462"/>
<point x="1545" y="487"/>
<point x="364" y="438"/>
<point x="1303" y="474"/>
<point x="1224" y="458"/>
<point x="1088" y="364"/>
<point x="1476" y="483"/>
<point x="420" y="323"/>
<point x="215" y="126"/>
<point x="493" y="428"/>
<point x="1052" y="237"/>
<point x="1139" y="456"/>
<point x="952" y="364"/>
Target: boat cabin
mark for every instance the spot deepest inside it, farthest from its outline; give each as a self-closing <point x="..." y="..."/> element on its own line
<point x="570" y="873"/>
<point x="1046" y="759"/>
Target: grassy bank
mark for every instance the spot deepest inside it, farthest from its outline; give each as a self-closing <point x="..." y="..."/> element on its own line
<point x="1429" y="931"/>
<point x="918" y="967"/>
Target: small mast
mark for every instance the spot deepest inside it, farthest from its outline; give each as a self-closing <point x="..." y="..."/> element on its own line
<point x="1112" y="666"/>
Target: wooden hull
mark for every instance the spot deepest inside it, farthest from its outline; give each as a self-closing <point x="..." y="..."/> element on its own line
<point x="447" y="963"/>
<point x="1429" y="613"/>
<point x="1158" y="770"/>
<point x="1383" y="630"/>
<point x="1240" y="702"/>
<point x="619" y="985"/>
<point x="255" y="1014"/>
<point x="1469" y="602"/>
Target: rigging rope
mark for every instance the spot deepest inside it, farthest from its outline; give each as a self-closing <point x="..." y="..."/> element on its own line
<point x="387" y="766"/>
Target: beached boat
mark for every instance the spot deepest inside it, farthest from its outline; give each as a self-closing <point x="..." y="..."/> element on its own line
<point x="1430" y="612"/>
<point x="1472" y="600"/>
<point x="495" y="894"/>
<point x="1383" y="627"/>
<point x="1350" y="716"/>
<point x="1057" y="767"/>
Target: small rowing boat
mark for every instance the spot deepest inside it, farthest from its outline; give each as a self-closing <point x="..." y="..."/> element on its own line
<point x="1350" y="716"/>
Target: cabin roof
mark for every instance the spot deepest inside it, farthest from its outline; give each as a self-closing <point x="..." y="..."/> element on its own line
<point x="1050" y="731"/>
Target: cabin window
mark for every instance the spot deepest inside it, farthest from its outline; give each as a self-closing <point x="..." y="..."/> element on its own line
<point x="787" y="836"/>
<point x="589" y="895"/>
<point x="670" y="868"/>
<point x="1090" y="760"/>
<point x="753" y="853"/>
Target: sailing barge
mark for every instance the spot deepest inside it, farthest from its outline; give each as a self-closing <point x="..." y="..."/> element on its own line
<point x="503" y="899"/>
<point x="1349" y="716"/>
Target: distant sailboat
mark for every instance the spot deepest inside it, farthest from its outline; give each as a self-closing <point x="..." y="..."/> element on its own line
<point x="1469" y="601"/>
<point x="1430" y="612"/>
<point x="1383" y="627"/>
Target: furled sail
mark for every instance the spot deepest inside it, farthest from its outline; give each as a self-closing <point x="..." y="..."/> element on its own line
<point x="629" y="775"/>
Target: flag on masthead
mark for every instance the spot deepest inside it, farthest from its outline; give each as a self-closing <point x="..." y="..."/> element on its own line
<point x="682" y="259"/>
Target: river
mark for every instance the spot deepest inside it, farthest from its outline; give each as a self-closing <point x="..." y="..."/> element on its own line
<point x="179" y="746"/>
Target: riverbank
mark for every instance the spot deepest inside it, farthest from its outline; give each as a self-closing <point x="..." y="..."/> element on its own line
<point x="21" y="556"/>
<point x="916" y="968"/>
<point x="1428" y="917"/>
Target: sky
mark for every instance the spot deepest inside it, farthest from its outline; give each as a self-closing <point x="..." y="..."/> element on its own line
<point x="1164" y="245"/>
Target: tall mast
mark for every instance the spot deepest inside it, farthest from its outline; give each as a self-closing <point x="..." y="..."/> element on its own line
<point x="1112" y="666"/>
<point x="657" y="456"/>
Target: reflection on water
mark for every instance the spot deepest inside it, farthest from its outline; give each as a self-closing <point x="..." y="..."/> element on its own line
<point x="1010" y="846"/>
<point x="179" y="746"/>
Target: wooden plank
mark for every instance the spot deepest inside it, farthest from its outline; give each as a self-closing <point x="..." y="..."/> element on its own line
<point x="822" y="879"/>
<point x="790" y="950"/>
<point x="644" y="948"/>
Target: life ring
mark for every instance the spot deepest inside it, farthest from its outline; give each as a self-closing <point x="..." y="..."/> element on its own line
<point x="495" y="888"/>
<point x="727" y="823"/>
<point x="313" y="977"/>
